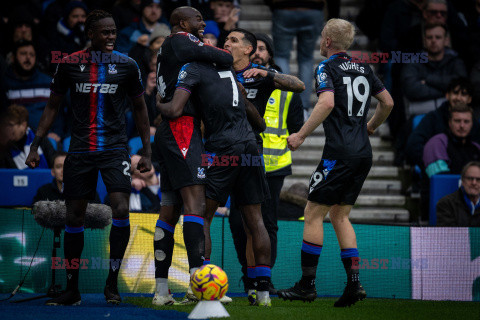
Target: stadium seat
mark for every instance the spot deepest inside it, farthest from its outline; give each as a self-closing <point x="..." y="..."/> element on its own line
<point x="54" y="143"/>
<point x="440" y="186"/>
<point x="20" y="186"/>
<point x="416" y="120"/>
<point x="66" y="143"/>
<point x="135" y="144"/>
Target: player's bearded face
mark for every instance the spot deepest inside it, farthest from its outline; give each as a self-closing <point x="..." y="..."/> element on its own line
<point x="104" y="35"/>
<point x="196" y="25"/>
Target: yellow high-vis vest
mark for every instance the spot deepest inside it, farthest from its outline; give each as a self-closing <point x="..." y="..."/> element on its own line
<point x="275" y="150"/>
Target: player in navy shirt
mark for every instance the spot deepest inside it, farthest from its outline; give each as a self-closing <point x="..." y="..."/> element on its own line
<point x="344" y="91"/>
<point x="234" y="163"/>
<point x="178" y="144"/>
<point x="99" y="80"/>
<point x="259" y="82"/>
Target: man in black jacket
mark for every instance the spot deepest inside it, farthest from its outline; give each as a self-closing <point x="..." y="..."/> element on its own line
<point x="462" y="208"/>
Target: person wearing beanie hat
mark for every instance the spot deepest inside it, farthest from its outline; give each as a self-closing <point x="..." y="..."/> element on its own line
<point x="264" y="45"/>
<point x="69" y="34"/>
<point x="139" y="32"/>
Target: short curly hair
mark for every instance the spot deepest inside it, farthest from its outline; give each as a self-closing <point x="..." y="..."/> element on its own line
<point x="95" y="16"/>
<point x="17" y="114"/>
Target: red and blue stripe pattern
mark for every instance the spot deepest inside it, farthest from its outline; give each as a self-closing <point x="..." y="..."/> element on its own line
<point x="96" y="137"/>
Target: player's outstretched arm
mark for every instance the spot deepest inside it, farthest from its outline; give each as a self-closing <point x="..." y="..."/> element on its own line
<point x="282" y="81"/>
<point x="174" y="108"/>
<point x="46" y="121"/>
<point x="325" y="104"/>
<point x="140" y="116"/>
<point x="188" y="50"/>
<point x="384" y="107"/>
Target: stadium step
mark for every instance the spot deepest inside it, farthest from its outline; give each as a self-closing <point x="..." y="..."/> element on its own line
<point x="387" y="172"/>
<point x="313" y="157"/>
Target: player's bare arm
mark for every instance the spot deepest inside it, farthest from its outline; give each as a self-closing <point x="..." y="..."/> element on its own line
<point x="325" y="105"/>
<point x="384" y="107"/>
<point x="282" y="81"/>
<point x="174" y="108"/>
<point x="140" y="115"/>
<point x="46" y="121"/>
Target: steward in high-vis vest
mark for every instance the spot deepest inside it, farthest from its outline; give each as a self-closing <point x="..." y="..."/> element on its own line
<point x="283" y="116"/>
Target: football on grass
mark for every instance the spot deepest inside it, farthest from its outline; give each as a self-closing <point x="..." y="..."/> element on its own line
<point x="209" y="283"/>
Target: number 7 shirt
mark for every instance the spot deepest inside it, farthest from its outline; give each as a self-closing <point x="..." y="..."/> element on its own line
<point x="353" y="84"/>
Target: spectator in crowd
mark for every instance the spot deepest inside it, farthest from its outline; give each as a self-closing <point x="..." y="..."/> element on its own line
<point x="225" y="18"/>
<point x="201" y="5"/>
<point x="143" y="54"/>
<point x="303" y="20"/>
<point x="22" y="27"/>
<point x="69" y="33"/>
<point x="293" y="202"/>
<point x="449" y="152"/>
<point x="28" y="86"/>
<point x="126" y="12"/>
<point x="462" y="208"/>
<point x="368" y="18"/>
<point x="436" y="12"/>
<point x="459" y="92"/>
<point x="54" y="190"/>
<point x="145" y="196"/>
<point x="425" y="84"/>
<point x="211" y="32"/>
<point x="21" y="138"/>
<point x="139" y="32"/>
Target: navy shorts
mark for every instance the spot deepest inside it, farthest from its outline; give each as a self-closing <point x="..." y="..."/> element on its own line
<point x="338" y="181"/>
<point x="240" y="174"/>
<point x="80" y="173"/>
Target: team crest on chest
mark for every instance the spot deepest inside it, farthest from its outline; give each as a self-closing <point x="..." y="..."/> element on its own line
<point x="112" y="69"/>
<point x="82" y="67"/>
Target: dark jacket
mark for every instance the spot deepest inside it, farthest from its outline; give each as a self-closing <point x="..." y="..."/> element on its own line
<point x="437" y="76"/>
<point x="453" y="211"/>
<point x="33" y="94"/>
<point x="433" y="123"/>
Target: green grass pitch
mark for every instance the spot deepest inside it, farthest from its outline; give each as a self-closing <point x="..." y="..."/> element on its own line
<point x="322" y="308"/>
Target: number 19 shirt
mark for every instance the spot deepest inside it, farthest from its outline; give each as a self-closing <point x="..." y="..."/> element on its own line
<point x="353" y="85"/>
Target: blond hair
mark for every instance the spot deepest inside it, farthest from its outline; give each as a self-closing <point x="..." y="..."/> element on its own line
<point x="341" y="32"/>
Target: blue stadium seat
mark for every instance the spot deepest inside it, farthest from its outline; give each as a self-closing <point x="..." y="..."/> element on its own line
<point x="54" y="143"/>
<point x="66" y="143"/>
<point x="416" y="120"/>
<point x="135" y="144"/>
<point x="20" y="186"/>
<point x="440" y="186"/>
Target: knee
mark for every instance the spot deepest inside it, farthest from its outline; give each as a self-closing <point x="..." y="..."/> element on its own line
<point x="120" y="209"/>
<point x="338" y="218"/>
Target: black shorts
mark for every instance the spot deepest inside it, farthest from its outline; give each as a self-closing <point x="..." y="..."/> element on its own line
<point x="80" y="173"/>
<point x="237" y="171"/>
<point x="179" y="147"/>
<point x="338" y="181"/>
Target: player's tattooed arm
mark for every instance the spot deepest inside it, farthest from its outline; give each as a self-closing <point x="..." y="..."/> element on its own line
<point x="48" y="116"/>
<point x="282" y="81"/>
<point x="287" y="82"/>
<point x="174" y="108"/>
